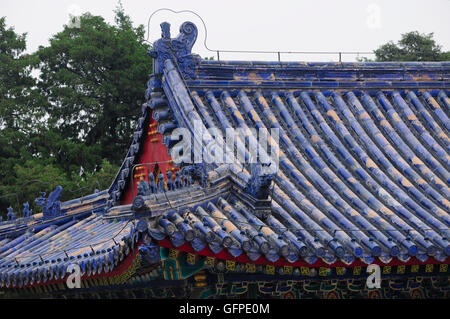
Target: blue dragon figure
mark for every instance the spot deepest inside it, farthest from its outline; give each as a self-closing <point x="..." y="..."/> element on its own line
<point x="51" y="206"/>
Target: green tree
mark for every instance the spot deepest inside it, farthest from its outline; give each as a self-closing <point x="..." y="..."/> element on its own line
<point x="94" y="79"/>
<point x="413" y="46"/>
<point x="20" y="105"/>
<point x="72" y="125"/>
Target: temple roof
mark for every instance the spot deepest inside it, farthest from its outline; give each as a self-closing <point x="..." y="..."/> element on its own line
<point x="43" y="256"/>
<point x="363" y="162"/>
<point x="362" y="170"/>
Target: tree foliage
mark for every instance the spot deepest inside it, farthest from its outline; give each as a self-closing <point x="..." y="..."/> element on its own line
<point x="94" y="78"/>
<point x="68" y="111"/>
<point x="413" y="46"/>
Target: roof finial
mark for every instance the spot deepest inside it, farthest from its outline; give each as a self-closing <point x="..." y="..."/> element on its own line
<point x="165" y="30"/>
<point x="177" y="49"/>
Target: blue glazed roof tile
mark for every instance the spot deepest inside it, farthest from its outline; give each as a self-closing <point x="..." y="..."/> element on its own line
<point x="35" y="258"/>
<point x="363" y="171"/>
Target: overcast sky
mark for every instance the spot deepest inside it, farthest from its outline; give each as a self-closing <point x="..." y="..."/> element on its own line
<point x="275" y="25"/>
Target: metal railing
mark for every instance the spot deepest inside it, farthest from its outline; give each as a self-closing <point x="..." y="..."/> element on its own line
<point x="278" y="53"/>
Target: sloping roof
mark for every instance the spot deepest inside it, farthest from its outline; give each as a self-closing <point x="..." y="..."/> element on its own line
<point x="36" y="258"/>
<point x="364" y="152"/>
<point x="73" y="209"/>
<point x="363" y="174"/>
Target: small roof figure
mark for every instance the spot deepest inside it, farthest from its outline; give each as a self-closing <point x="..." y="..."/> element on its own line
<point x="26" y="210"/>
<point x="142" y="188"/>
<point x="11" y="215"/>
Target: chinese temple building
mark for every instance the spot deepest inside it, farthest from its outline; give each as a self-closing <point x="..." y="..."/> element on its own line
<point x="361" y="177"/>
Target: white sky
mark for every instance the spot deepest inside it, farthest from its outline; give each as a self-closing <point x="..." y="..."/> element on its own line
<point x="275" y="25"/>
